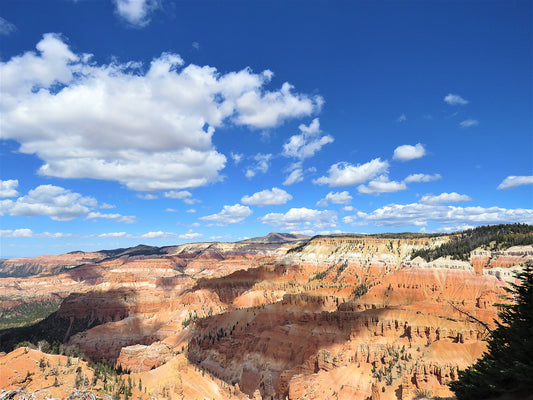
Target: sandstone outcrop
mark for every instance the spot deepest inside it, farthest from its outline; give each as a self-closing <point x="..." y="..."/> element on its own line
<point x="21" y="267"/>
<point x="345" y="317"/>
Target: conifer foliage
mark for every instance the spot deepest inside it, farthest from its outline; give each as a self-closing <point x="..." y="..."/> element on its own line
<point x="506" y="369"/>
<point x="491" y="237"/>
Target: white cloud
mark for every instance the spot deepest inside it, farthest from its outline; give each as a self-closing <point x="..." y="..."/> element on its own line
<point x="381" y="184"/>
<point x="353" y="220"/>
<point x="417" y="214"/>
<point x="184" y="195"/>
<point x="157" y="235"/>
<point x="106" y="206"/>
<point x="127" y="219"/>
<point x="335" y="198"/>
<point x="401" y="118"/>
<point x="467" y="123"/>
<point x="236" y="157"/>
<point x="448" y="229"/>
<point x="307" y="143"/>
<point x="422" y="178"/>
<point x="295" y="171"/>
<point x="444" y="198"/>
<point x="17" y="233"/>
<point x="262" y="163"/>
<point x="294" y="177"/>
<point x="6" y="27"/>
<point x="407" y="152"/>
<point x="113" y="235"/>
<point x="136" y="12"/>
<point x="191" y="201"/>
<point x="190" y="235"/>
<point x="348" y="208"/>
<point x="514" y="181"/>
<point x="346" y="174"/>
<point x="273" y="197"/>
<point x="8" y="188"/>
<point x="455" y="99"/>
<point x="147" y="196"/>
<point x="196" y="45"/>
<point x="57" y="235"/>
<point x="270" y="109"/>
<point x="148" y="128"/>
<point x="171" y="210"/>
<point x="47" y="200"/>
<point x="297" y="219"/>
<point x="28" y="233"/>
<point x="229" y="215"/>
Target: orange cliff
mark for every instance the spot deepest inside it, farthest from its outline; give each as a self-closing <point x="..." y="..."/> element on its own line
<point x="351" y="317"/>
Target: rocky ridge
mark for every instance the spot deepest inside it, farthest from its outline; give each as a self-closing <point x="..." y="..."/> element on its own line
<point x="327" y="317"/>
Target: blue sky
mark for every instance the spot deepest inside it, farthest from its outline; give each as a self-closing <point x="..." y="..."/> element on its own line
<point x="164" y="122"/>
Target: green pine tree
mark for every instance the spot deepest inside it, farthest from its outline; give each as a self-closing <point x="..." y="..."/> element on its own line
<point x="506" y="369"/>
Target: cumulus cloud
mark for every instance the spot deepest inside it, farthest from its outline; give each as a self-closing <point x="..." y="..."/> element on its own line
<point x="127" y="219"/>
<point x="299" y="219"/>
<point x="148" y="128"/>
<point x="307" y="143"/>
<point x="455" y="99"/>
<point x="262" y="163"/>
<point x="381" y="184"/>
<point x="190" y="235"/>
<point x="6" y="27"/>
<point x="407" y="152"/>
<point x="16" y="233"/>
<point x="184" y="195"/>
<point x="418" y="214"/>
<point x="401" y="118"/>
<point x="335" y="198"/>
<point x="514" y="181"/>
<point x="270" y="109"/>
<point x="136" y="12"/>
<point x="444" y="198"/>
<point x="229" y="215"/>
<point x="273" y="197"/>
<point x="422" y="178"/>
<point x="8" y="188"/>
<point x="346" y="174"/>
<point x="52" y="201"/>
<point x="28" y="233"/>
<point x="467" y="123"/>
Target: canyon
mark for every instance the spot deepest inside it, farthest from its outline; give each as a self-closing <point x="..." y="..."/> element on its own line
<point x="278" y="317"/>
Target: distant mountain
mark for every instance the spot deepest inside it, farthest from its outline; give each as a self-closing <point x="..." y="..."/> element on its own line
<point x="275" y="238"/>
<point x="139" y="250"/>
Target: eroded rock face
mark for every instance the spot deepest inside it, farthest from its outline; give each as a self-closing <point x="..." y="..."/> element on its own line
<point x="331" y="317"/>
<point x="21" y="267"/>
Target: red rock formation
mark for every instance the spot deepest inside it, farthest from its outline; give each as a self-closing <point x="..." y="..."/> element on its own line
<point x="338" y="317"/>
